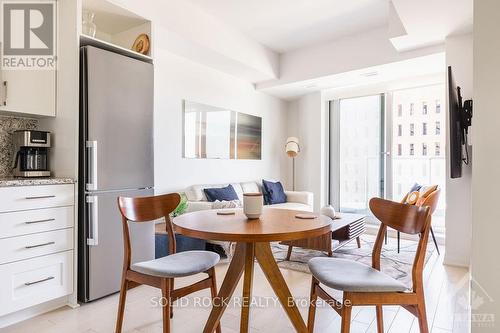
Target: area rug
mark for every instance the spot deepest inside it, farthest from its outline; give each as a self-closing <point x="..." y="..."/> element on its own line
<point x="397" y="265"/>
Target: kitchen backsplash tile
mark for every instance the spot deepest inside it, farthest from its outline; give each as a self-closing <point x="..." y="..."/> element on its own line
<point x="7" y="126"/>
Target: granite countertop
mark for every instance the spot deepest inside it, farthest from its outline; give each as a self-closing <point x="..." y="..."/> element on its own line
<point x="11" y="181"/>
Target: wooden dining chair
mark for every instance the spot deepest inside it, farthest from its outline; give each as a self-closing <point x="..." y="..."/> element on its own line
<point x="161" y="272"/>
<point x="363" y="285"/>
<point x="430" y="201"/>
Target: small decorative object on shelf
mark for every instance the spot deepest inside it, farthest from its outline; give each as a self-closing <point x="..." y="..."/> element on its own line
<point x="88" y="26"/>
<point x="252" y="205"/>
<point x="141" y="44"/>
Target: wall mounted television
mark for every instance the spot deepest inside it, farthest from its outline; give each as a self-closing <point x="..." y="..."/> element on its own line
<point x="460" y="115"/>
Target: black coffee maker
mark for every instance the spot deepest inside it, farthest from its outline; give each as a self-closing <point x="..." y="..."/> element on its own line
<point x="31" y="153"/>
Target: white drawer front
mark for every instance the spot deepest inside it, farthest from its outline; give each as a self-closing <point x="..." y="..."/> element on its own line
<point x="29" y="246"/>
<point x="31" y="282"/>
<point x="33" y="221"/>
<point x="35" y="197"/>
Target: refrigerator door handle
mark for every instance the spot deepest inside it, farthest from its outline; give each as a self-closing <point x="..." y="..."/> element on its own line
<point x="93" y="226"/>
<point x="91" y="165"/>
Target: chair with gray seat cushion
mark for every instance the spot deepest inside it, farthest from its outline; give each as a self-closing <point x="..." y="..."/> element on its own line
<point x="160" y="272"/>
<point x="363" y="285"/>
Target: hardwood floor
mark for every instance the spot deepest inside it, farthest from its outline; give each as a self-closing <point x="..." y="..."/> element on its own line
<point x="446" y="293"/>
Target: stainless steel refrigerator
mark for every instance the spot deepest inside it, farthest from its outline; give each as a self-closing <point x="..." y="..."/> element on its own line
<point x="115" y="159"/>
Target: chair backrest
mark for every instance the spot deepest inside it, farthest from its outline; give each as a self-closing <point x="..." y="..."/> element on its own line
<point x="147" y="209"/>
<point x="408" y="219"/>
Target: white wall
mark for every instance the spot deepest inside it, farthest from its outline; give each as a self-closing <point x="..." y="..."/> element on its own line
<point x="458" y="191"/>
<point x="307" y="121"/>
<point x="177" y="78"/>
<point x="485" y="266"/>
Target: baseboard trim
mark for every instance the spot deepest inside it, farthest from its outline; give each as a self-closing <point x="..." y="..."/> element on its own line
<point x="455" y="261"/>
<point x="21" y="315"/>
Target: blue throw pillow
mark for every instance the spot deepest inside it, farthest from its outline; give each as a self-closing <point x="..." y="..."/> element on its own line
<point x="415" y="187"/>
<point x="222" y="194"/>
<point x="273" y="192"/>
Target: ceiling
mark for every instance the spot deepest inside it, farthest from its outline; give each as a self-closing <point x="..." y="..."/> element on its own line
<point x="284" y="25"/>
<point x="425" y="66"/>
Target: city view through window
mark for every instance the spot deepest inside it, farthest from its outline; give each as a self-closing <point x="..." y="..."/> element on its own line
<point x="417" y="151"/>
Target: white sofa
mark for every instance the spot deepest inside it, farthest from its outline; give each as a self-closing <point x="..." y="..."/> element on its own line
<point x="296" y="200"/>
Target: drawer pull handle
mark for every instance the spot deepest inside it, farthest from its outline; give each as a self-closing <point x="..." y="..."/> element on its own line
<point x="41" y="197"/>
<point x="39" y="221"/>
<point x="39" y="245"/>
<point x="39" y="281"/>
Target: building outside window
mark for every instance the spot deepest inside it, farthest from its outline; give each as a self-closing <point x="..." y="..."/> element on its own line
<point x="400" y="149"/>
<point x="400" y="110"/>
<point x="411" y="109"/>
<point x="437" y="149"/>
<point x="438" y="106"/>
<point x="424" y="128"/>
<point x="412" y="149"/>
<point x="424" y="108"/>
<point x="400" y="130"/>
<point x="424" y="149"/>
<point x="438" y="128"/>
<point x="412" y="129"/>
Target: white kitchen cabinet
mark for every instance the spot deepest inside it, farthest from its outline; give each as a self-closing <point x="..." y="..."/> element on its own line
<point x="37" y="234"/>
<point x="28" y="92"/>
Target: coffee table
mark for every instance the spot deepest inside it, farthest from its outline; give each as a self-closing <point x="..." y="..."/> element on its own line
<point x="252" y="239"/>
<point x="344" y="229"/>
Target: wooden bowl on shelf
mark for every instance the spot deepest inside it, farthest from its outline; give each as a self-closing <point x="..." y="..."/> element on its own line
<point x="141" y="44"/>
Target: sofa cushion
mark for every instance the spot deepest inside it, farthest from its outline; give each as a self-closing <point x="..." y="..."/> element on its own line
<point x="196" y="193"/>
<point x="273" y="192"/>
<point x="221" y="194"/>
<point x="250" y="187"/>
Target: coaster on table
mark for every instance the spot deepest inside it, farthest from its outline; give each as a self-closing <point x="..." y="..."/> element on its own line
<point x="226" y="212"/>
<point x="305" y="216"/>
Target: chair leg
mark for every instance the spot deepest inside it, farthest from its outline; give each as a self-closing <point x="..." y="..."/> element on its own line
<point x="213" y="290"/>
<point x="346" y="316"/>
<point x="380" y="319"/>
<point x="165" y="292"/>
<point x="121" y="306"/>
<point x="435" y="241"/>
<point x="399" y="241"/>
<point x="385" y="237"/>
<point x="422" y="318"/>
<point x="171" y="307"/>
<point x="358" y="241"/>
<point x="289" y="253"/>
<point x="312" y="305"/>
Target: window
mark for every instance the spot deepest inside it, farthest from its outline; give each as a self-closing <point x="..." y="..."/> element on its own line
<point x="412" y="129"/>
<point x="437" y="149"/>
<point x="424" y="149"/>
<point x="412" y="149"/>
<point x="438" y="128"/>
<point x="424" y="108"/>
<point x="424" y="128"/>
<point x="438" y="106"/>
<point x="411" y="109"/>
<point x="400" y="130"/>
<point x="400" y="110"/>
<point x="400" y="149"/>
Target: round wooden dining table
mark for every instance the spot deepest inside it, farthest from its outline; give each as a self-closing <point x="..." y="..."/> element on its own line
<point x="252" y="239"/>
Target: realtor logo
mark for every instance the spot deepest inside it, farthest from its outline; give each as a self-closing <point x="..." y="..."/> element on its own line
<point x="28" y="34"/>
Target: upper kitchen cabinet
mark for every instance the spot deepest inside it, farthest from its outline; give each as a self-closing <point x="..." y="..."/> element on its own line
<point x="108" y="26"/>
<point x="29" y="92"/>
<point x="28" y="70"/>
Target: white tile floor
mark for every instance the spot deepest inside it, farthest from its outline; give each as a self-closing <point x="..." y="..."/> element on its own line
<point x="446" y="293"/>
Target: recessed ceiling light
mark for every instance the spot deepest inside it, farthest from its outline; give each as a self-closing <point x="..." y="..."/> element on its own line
<point x="370" y="74"/>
